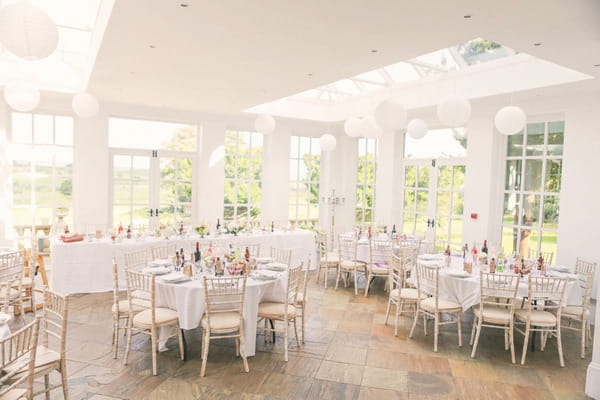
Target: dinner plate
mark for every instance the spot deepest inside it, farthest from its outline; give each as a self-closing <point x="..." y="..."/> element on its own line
<point x="160" y="263"/>
<point x="275" y="267"/>
<point x="263" y="275"/>
<point x="264" y="260"/>
<point x="156" y="270"/>
<point x="458" y="274"/>
<point x="430" y="257"/>
<point x="175" y="278"/>
<point x="560" y="268"/>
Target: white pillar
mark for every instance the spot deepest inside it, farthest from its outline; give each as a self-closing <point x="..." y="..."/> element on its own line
<point x="210" y="174"/>
<point x="5" y="176"/>
<point x="275" y="178"/>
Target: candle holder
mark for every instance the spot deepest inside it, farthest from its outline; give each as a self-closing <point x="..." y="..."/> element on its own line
<point x="333" y="201"/>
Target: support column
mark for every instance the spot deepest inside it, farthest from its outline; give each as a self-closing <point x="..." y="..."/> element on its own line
<point x="210" y="174"/>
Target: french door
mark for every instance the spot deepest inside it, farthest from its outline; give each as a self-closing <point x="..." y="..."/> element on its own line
<point x="150" y="187"/>
<point x="433" y="201"/>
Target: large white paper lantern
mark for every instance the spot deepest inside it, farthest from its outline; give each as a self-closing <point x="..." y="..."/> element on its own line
<point x="352" y="127"/>
<point x="264" y="124"/>
<point x="510" y="120"/>
<point x="370" y="129"/>
<point x="85" y="105"/>
<point x="390" y="115"/>
<point x="417" y="128"/>
<point x="454" y="111"/>
<point x="327" y="142"/>
<point x="22" y="97"/>
<point x="27" y="32"/>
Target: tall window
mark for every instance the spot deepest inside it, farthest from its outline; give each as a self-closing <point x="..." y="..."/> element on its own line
<point x="305" y="167"/>
<point x="243" y="175"/>
<point x="42" y="169"/>
<point x="365" y="180"/>
<point x="532" y="188"/>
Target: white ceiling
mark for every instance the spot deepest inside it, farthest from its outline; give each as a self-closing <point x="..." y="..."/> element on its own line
<point x="226" y="56"/>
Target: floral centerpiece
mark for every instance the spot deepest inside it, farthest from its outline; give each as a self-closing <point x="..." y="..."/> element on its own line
<point x="202" y="230"/>
<point x="235" y="227"/>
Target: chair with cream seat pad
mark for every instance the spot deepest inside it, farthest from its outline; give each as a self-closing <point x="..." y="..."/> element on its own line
<point x="548" y="256"/>
<point x="380" y="259"/>
<point x="282" y="256"/>
<point x="496" y="308"/>
<point x="224" y="315"/>
<point x="348" y="247"/>
<point x="165" y="252"/>
<point x="432" y="306"/>
<point x="18" y="362"/>
<point x="285" y="311"/>
<point x="327" y="259"/>
<point x="542" y="312"/>
<point x="585" y="271"/>
<point x="15" y="287"/>
<point x="137" y="259"/>
<point x="140" y="288"/>
<point x="399" y="295"/>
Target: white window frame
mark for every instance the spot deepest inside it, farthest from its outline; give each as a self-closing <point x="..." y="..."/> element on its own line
<point x="303" y="182"/>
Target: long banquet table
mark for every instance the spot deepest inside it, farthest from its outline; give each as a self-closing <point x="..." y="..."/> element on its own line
<point x="86" y="266"/>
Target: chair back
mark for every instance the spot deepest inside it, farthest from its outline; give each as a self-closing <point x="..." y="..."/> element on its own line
<point x="304" y="283"/>
<point x="427" y="247"/>
<point x="498" y="290"/>
<point x="585" y="271"/>
<point x="253" y="248"/>
<point x="548" y="256"/>
<point x="18" y="352"/>
<point x="224" y="294"/>
<point x="283" y="256"/>
<point x="56" y="309"/>
<point x="137" y="259"/>
<point x="397" y="273"/>
<point x="321" y="244"/>
<point x="381" y="251"/>
<point x="293" y="284"/>
<point x="115" y="272"/>
<point x="163" y="252"/>
<point x="428" y="278"/>
<point x="546" y="293"/>
<point x="12" y="267"/>
<point x="347" y="246"/>
<point x="141" y="291"/>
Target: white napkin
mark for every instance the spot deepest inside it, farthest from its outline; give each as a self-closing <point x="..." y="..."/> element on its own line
<point x="274" y="266"/>
<point x="156" y="270"/>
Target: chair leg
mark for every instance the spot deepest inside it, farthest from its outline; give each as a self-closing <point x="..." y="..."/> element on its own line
<point x="505" y="340"/>
<point x="303" y="316"/>
<point x="267" y="333"/>
<point x="425" y="324"/>
<point x="205" y="344"/>
<point x="412" y="329"/>
<point x="47" y="386"/>
<point x="237" y="347"/>
<point x="337" y="279"/>
<point x="296" y="332"/>
<point x="243" y="351"/>
<point x="583" y="333"/>
<point x="398" y="312"/>
<point x="154" y="340"/>
<point x="387" y="311"/>
<point x="436" y="332"/>
<point x="128" y="331"/>
<point x="356" y="281"/>
<point x="181" y="343"/>
<point x="525" y="342"/>
<point x="475" y="324"/>
<point x="367" y="284"/>
<point x="285" y="339"/>
<point x="64" y="378"/>
<point x="511" y="339"/>
<point x="126" y="321"/>
<point x="559" y="344"/>
<point x="459" y="323"/>
<point x="479" y="327"/>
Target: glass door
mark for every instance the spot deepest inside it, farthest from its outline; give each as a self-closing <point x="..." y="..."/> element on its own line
<point x="416" y="218"/>
<point x="175" y="194"/>
<point x="450" y="199"/>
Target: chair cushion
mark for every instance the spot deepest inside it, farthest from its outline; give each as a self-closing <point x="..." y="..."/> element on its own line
<point x="443" y="305"/>
<point x="12" y="294"/>
<point x="164" y="316"/>
<point x="411" y="281"/>
<point x="221" y="321"/>
<point x="300" y="298"/>
<point x="44" y="357"/>
<point x="275" y="310"/>
<point x="330" y="259"/>
<point x="406" y="294"/>
<point x="347" y="264"/>
<point x="379" y="269"/>
<point x="124" y="307"/>
<point x="498" y="315"/>
<point x="14" y="394"/>
<point x="25" y="282"/>
<point x="538" y="317"/>
<point x="574" y="311"/>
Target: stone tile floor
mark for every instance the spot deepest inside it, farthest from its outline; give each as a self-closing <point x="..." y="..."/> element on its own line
<point x="348" y="354"/>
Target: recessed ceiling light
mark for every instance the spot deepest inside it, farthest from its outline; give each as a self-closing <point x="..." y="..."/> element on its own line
<point x="184" y="5"/>
<point x="374" y="51"/>
<point x="467" y="16"/>
<point x="596" y="65"/>
<point x="309" y="74"/>
<point x="152" y="46"/>
<point x="537" y="43"/>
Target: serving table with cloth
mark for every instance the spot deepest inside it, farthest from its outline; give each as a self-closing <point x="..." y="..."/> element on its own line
<point x="86" y="266"/>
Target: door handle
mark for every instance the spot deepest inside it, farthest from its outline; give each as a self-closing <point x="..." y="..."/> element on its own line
<point x="431" y="223"/>
<point x="151" y="212"/>
<point x="156" y="213"/>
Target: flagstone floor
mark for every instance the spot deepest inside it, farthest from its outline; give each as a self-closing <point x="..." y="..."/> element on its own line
<point x="349" y="354"/>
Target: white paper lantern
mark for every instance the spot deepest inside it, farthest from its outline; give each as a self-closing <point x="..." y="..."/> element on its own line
<point x="352" y="127"/>
<point x="510" y="120"/>
<point x="390" y="115"/>
<point x="27" y="32"/>
<point x="264" y="124"/>
<point x="22" y="97"/>
<point x="85" y="105"/>
<point x="370" y="129"/>
<point x="417" y="128"/>
<point x="454" y="111"/>
<point x="327" y="142"/>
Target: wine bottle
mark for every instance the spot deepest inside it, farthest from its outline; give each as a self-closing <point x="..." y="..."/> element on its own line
<point x="369" y="232"/>
<point x="394" y="231"/>
<point x="197" y="253"/>
<point x="247" y="254"/>
<point x="484" y="249"/>
<point x="128" y="231"/>
<point x="66" y="229"/>
<point x="181" y="229"/>
<point x="120" y="230"/>
<point x="177" y="261"/>
<point x="272" y="226"/>
<point x="218" y="224"/>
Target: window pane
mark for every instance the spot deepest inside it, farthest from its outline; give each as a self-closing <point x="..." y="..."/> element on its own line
<point x="529" y="242"/>
<point x="514" y="145"/>
<point x="459" y="177"/>
<point x="229" y="197"/>
<point x="242" y="193"/>
<point x="458" y="201"/>
<point x="409" y="200"/>
<point x="549" y="242"/>
<point x="445" y="177"/>
<point x="509" y="239"/>
<point x="63" y="131"/>
<point x="443" y="203"/>
<point x="551" y="207"/>
<point x="456" y="230"/>
<point x="43" y="191"/>
<point x="228" y="212"/>
<point x="121" y="192"/>
<point x="511" y="209"/>
<point x="533" y="176"/>
<point x="167" y="192"/>
<point x="256" y="193"/>
<point x="421" y="224"/>
<point x="422" y="200"/>
<point x="535" y="139"/>
<point x="184" y="192"/>
<point x="64" y="191"/>
<point x="151" y="135"/>
<point x="294" y="147"/>
<point x="531" y="209"/>
<point x="22" y="130"/>
<point x="437" y="143"/>
<point x="141" y="168"/>
<point x="22" y="190"/>
<point x="410" y="176"/>
<point x="442" y="228"/>
<point x="369" y="195"/>
<point x="513" y="175"/>
<point x="553" y="175"/>
<point x="122" y="167"/>
<point x="408" y="223"/>
<point x="556" y="138"/>
<point x="63" y="160"/>
<point x="43" y="127"/>
<point x="423" y="177"/>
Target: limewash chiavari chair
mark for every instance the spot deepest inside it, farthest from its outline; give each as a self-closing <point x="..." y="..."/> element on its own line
<point x="12" y="285"/>
<point x="399" y="295"/>
<point x="285" y="311"/>
<point x="19" y="354"/>
<point x="163" y="252"/>
<point x="548" y="256"/>
<point x="253" y="248"/>
<point x="496" y="308"/>
<point x="542" y="312"/>
<point x="585" y="271"/>
<point x="283" y="256"/>
<point x="327" y="259"/>
<point x="428" y="286"/>
<point x="140" y="288"/>
<point x="224" y="315"/>
<point x="409" y="255"/>
<point x="347" y="247"/>
<point x="137" y="259"/>
<point x="380" y="258"/>
<point x="301" y="299"/>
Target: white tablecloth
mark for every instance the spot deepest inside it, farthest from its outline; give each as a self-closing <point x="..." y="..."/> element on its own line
<point x="466" y="291"/>
<point x="189" y="300"/>
<point x="86" y="267"/>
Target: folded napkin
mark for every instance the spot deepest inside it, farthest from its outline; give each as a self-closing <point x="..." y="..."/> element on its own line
<point x="160" y="262"/>
<point x="156" y="270"/>
<point x="264" y="260"/>
<point x="174" y="277"/>
<point x="275" y="266"/>
<point x="265" y="275"/>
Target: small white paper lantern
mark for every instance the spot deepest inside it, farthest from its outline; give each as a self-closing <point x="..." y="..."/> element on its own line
<point x="264" y="124"/>
<point x="417" y="128"/>
<point x="327" y="142"/>
<point x="352" y="127"/>
<point x="370" y="129"/>
<point x="390" y="115"/>
<point x="510" y="120"/>
<point x="27" y="32"/>
<point x="454" y="111"/>
<point x="85" y="105"/>
<point x="22" y="97"/>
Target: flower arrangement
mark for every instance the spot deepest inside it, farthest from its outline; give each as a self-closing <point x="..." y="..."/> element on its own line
<point x="235" y="227"/>
<point x="210" y="260"/>
<point x="202" y="230"/>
